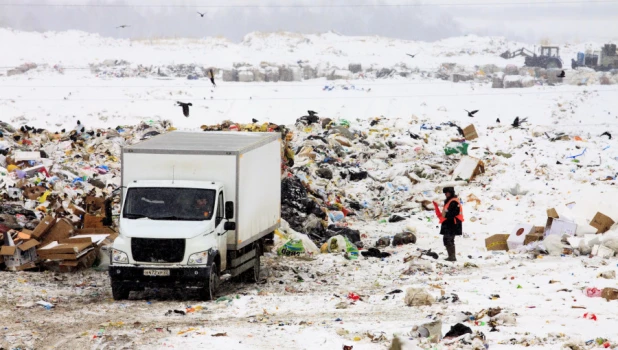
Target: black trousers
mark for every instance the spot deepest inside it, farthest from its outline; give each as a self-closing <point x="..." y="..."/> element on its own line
<point x="448" y="240"/>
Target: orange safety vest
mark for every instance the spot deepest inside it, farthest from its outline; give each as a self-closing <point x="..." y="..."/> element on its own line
<point x="445" y="210"/>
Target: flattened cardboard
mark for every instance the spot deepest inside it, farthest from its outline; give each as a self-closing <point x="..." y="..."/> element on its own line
<point x="8" y="250"/>
<point x="601" y="222"/>
<point x="518" y="235"/>
<point x="62" y="229"/>
<point x="43" y="226"/>
<point x="470" y="132"/>
<point x="67" y="256"/>
<point x="609" y="294"/>
<point x="76" y="210"/>
<point x="497" y="242"/>
<point x="27" y="245"/>
<point x="91" y="221"/>
<point x="64" y="248"/>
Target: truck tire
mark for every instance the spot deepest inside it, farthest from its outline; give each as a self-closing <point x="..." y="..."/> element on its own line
<point x="120" y="291"/>
<point x="253" y="275"/>
<point x="209" y="291"/>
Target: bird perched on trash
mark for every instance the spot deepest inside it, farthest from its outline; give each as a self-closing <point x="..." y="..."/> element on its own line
<point x="201" y="14"/>
<point x="414" y="136"/>
<point x="123" y="26"/>
<point x="412" y="55"/>
<point x="561" y="75"/>
<point x="254" y="120"/>
<point x="211" y="75"/>
<point x="471" y="114"/>
<point x="498" y="120"/>
<point x="312" y="113"/>
<point x="607" y="134"/>
<point x="185" y="107"/>
<point x="517" y="122"/>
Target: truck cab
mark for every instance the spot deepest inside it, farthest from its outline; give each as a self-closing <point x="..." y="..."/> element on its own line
<point x="179" y="229"/>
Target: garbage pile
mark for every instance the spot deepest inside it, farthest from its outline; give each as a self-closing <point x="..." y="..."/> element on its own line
<point x="56" y="190"/>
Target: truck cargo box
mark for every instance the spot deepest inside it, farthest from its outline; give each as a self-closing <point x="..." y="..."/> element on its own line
<point x="248" y="164"/>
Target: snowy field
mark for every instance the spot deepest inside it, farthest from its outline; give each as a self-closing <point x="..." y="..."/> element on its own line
<point x="303" y="304"/>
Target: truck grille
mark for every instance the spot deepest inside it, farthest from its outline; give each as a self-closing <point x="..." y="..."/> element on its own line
<point x="158" y="250"/>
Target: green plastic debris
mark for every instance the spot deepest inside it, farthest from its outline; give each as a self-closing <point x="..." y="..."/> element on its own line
<point x="505" y="155"/>
<point x="460" y="149"/>
<point x="228" y="299"/>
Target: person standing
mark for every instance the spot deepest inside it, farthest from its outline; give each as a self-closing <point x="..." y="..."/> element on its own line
<point x="452" y="219"/>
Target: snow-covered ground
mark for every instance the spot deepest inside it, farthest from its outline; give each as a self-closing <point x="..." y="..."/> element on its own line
<point x="285" y="313"/>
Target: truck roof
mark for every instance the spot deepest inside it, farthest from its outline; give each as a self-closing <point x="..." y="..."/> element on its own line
<point x="223" y="142"/>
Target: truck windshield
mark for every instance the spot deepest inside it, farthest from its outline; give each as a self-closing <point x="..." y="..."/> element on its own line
<point x="169" y="204"/>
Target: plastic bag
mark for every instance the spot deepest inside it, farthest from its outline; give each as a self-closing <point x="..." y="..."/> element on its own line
<point x="298" y="245"/>
<point x="338" y="244"/>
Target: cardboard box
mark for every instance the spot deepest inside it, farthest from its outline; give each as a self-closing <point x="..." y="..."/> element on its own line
<point x="518" y="235"/>
<point x="43" y="227"/>
<point x="62" y="229"/>
<point x="538" y="230"/>
<point x="91" y="221"/>
<point x="497" y="242"/>
<point x="557" y="226"/>
<point x="19" y="257"/>
<point x="601" y="222"/>
<point x="533" y="237"/>
<point x="470" y="132"/>
<point x="93" y="203"/>
<point x="468" y="168"/>
<point x="609" y="294"/>
<point x="602" y="251"/>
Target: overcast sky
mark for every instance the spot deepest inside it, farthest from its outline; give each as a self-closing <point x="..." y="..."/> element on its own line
<point x="524" y="20"/>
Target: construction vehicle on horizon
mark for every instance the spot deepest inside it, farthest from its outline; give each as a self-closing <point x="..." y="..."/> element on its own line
<point x="604" y="60"/>
<point x="549" y="57"/>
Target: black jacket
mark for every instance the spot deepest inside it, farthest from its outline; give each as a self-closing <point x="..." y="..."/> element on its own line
<point x="452" y="225"/>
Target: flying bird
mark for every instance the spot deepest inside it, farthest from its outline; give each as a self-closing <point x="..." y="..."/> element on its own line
<point x="498" y="120"/>
<point x="123" y="26"/>
<point x="185" y="107"/>
<point x="412" y="55"/>
<point x="562" y="75"/>
<point x="607" y="134"/>
<point x="471" y="114"/>
<point x="312" y="113"/>
<point x="201" y="14"/>
<point x="211" y="75"/>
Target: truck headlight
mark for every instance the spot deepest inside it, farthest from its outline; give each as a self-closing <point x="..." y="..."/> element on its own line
<point x="119" y="257"/>
<point x="200" y="258"/>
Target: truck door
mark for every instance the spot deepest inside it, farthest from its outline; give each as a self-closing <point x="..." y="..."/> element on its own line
<point x="221" y="233"/>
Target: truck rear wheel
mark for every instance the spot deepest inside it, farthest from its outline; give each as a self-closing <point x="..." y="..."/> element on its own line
<point x="209" y="291"/>
<point x="120" y="291"/>
<point x="253" y="275"/>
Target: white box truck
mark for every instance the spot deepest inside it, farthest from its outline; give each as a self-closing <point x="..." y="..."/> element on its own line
<point x="196" y="206"/>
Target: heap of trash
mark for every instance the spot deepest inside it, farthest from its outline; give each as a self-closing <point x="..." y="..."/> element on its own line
<point x="56" y="189"/>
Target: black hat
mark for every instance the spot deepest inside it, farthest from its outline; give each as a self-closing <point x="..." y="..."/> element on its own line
<point x="450" y="190"/>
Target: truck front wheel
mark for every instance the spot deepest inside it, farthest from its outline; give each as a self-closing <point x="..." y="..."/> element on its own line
<point x="120" y="291"/>
<point x="209" y="291"/>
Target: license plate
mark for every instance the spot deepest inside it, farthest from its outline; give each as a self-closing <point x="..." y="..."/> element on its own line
<point x="156" y="272"/>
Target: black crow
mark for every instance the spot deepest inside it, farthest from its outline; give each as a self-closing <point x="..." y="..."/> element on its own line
<point x="471" y="114"/>
<point x="185" y="107"/>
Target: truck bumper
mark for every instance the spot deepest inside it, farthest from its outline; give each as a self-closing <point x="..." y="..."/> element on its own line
<point x="195" y="277"/>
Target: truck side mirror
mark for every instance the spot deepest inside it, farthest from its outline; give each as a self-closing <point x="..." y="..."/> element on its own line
<point x="229" y="210"/>
<point x="229" y="226"/>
